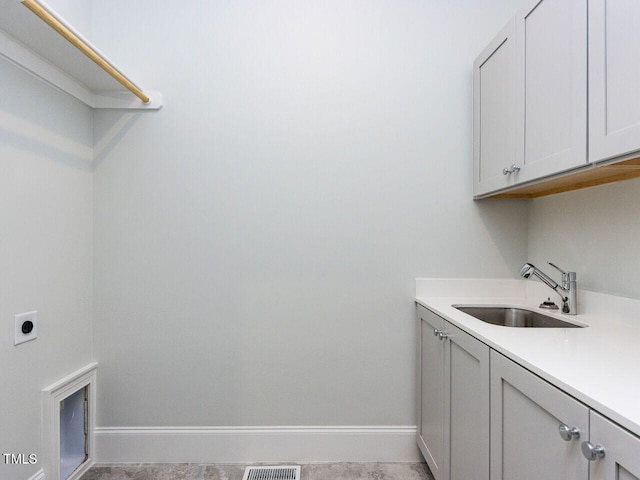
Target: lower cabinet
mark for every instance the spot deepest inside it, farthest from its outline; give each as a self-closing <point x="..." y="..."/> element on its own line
<point x="615" y="453"/>
<point x="482" y="416"/>
<point x="430" y="398"/>
<point x="536" y="429"/>
<point x="453" y="400"/>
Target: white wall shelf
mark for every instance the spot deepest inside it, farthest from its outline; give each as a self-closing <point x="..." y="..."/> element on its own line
<point x="33" y="45"/>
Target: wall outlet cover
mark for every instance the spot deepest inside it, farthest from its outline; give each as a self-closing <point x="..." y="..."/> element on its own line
<point x="26" y="327"/>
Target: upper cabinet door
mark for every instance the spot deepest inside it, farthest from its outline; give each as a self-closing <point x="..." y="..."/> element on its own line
<point x="614" y="77"/>
<point x="553" y="56"/>
<point x="497" y="116"/>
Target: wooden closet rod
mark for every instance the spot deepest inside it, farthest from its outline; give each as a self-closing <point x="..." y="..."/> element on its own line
<point x="81" y="45"/>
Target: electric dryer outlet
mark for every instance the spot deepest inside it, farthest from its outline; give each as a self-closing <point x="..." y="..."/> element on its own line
<point x="26" y="327"/>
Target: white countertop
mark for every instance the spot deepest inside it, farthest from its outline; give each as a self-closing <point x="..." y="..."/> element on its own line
<point x="599" y="364"/>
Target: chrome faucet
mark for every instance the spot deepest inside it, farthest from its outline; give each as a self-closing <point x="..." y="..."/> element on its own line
<point x="567" y="290"/>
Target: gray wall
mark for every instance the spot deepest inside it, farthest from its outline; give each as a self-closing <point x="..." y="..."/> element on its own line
<point x="45" y="251"/>
<point x="594" y="232"/>
<point x="256" y="241"/>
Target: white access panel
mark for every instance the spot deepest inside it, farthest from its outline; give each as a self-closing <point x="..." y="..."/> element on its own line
<point x="73" y="432"/>
<point x="68" y="409"/>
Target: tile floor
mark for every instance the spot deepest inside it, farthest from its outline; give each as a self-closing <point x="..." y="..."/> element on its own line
<point x="311" y="471"/>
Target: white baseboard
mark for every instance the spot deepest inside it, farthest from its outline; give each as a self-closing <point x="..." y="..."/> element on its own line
<point x="81" y="470"/>
<point x="256" y="444"/>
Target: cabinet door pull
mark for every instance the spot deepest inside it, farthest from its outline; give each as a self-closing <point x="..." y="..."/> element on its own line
<point x="512" y="169"/>
<point x="568" y="433"/>
<point x="592" y="452"/>
<point x="441" y="334"/>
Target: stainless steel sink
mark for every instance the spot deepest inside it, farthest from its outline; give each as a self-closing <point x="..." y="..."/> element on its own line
<point x="514" y="317"/>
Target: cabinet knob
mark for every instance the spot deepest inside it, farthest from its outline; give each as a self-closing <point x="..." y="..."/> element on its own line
<point x="592" y="452"/>
<point x="512" y="169"/>
<point x="441" y="334"/>
<point x="568" y="433"/>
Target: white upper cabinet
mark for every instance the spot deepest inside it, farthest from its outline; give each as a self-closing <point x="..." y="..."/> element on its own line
<point x="553" y="56"/>
<point x="497" y="117"/>
<point x="614" y="77"/>
<point x="530" y="98"/>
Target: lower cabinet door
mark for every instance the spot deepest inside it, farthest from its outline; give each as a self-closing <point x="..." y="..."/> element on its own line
<point x="621" y="459"/>
<point x="466" y="405"/>
<point x="536" y="429"/>
<point x="430" y="402"/>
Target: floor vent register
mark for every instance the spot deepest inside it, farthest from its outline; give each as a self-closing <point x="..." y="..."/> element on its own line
<point x="280" y="472"/>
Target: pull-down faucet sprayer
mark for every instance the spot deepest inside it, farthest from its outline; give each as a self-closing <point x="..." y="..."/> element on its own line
<point x="567" y="290"/>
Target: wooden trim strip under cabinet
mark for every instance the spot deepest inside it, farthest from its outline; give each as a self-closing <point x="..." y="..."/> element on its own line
<point x="575" y="180"/>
